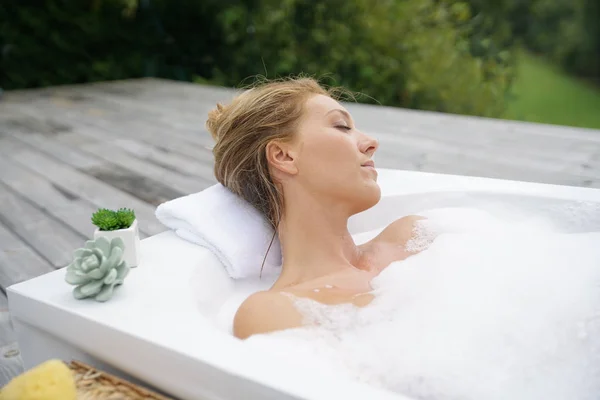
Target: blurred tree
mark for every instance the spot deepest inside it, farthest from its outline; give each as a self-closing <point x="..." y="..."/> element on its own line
<point x="565" y="31"/>
<point x="65" y="41"/>
<point x="428" y="54"/>
<point x="413" y="53"/>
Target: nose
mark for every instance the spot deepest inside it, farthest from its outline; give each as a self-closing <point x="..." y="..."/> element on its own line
<point x="368" y="145"/>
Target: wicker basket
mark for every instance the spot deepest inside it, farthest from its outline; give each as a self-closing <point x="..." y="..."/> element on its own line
<point x="93" y="384"/>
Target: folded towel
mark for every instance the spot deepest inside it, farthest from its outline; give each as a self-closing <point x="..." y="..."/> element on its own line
<point x="237" y="233"/>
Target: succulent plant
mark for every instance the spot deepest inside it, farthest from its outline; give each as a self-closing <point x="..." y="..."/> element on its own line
<point x="109" y="220"/>
<point x="97" y="268"/>
<point x="125" y="217"/>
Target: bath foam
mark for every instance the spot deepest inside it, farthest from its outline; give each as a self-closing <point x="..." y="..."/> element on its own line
<point x="489" y="310"/>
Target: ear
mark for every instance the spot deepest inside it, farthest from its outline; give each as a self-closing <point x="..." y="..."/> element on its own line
<point x="282" y="157"/>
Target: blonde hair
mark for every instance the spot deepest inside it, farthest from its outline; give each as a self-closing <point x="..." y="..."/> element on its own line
<point x="269" y="111"/>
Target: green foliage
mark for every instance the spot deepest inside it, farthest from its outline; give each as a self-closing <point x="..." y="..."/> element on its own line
<point x="545" y="94"/>
<point x="65" y="41"/>
<point x="105" y="220"/>
<point x="564" y="31"/>
<point x="125" y="217"/>
<point x="567" y="32"/>
<point x="410" y="53"/>
<point x="426" y="54"/>
<point x="109" y="220"/>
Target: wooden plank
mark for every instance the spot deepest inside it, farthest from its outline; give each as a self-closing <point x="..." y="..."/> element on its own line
<point x="158" y="155"/>
<point x="102" y="155"/>
<point x="50" y="238"/>
<point x="3" y="304"/>
<point x="144" y="131"/>
<point x="164" y="120"/>
<point x="67" y="155"/>
<point x="167" y="177"/>
<point x="89" y="188"/>
<point x="569" y="159"/>
<point x="9" y="146"/>
<point x="183" y="111"/>
<point x="496" y="147"/>
<point x="160" y="139"/>
<point x="479" y="167"/>
<point x="47" y="126"/>
<point x="11" y="363"/>
<point x="159" y="87"/>
<point x="164" y="90"/>
<point x="163" y="162"/>
<point x="474" y="136"/>
<point x="166" y="158"/>
<point x="146" y="189"/>
<point x="79" y="217"/>
<point x="18" y="261"/>
<point x="433" y="150"/>
<point x="63" y="204"/>
<point x="391" y="119"/>
<point x="474" y="164"/>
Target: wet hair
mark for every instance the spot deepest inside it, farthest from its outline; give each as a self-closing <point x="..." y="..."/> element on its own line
<point x="242" y="130"/>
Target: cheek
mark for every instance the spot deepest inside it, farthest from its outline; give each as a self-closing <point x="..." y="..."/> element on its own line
<point x="330" y="164"/>
<point x="335" y="153"/>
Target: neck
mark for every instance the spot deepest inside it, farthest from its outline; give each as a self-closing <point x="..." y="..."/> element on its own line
<point x="314" y="239"/>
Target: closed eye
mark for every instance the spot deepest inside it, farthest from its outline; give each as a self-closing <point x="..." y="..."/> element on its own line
<point x="344" y="127"/>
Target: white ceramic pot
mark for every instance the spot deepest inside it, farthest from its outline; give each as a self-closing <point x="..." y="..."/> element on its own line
<point x="131" y="238"/>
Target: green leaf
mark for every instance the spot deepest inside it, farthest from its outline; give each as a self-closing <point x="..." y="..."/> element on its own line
<point x="125" y="217"/>
<point x="73" y="278"/>
<point x="110" y="277"/>
<point x="106" y="220"/>
<point x="90" y="289"/>
<point x="103" y="245"/>
<point x="106" y="293"/>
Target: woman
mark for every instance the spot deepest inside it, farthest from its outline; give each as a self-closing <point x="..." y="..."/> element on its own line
<point x="294" y="152"/>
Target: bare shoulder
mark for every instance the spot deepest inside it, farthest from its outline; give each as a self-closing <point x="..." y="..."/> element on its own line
<point x="265" y="312"/>
<point x="401" y="230"/>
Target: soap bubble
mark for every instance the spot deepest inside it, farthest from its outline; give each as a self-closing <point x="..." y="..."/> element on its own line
<point x="490" y="308"/>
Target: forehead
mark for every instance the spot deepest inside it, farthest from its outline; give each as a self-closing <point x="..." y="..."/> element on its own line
<point x="321" y="105"/>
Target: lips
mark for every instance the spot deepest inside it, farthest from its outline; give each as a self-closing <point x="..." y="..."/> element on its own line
<point x="369" y="163"/>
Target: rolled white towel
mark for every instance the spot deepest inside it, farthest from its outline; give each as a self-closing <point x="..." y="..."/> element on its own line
<point x="236" y="232"/>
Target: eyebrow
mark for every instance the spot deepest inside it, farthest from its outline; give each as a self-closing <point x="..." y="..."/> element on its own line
<point x="340" y="111"/>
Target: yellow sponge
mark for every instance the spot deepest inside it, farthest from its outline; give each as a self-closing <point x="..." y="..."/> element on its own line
<point x="51" y="380"/>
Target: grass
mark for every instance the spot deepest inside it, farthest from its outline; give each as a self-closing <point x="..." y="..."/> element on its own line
<point x="544" y="94"/>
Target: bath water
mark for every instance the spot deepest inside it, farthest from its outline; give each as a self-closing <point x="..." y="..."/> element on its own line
<point x="489" y="308"/>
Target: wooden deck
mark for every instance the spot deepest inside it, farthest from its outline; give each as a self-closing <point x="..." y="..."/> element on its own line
<point x="65" y="151"/>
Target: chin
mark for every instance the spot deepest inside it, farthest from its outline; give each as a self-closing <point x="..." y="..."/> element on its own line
<point x="367" y="197"/>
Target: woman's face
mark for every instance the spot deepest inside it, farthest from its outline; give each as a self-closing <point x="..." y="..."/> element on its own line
<point x="334" y="158"/>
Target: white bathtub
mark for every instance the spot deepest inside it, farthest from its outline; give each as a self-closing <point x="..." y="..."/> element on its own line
<point x="168" y="325"/>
